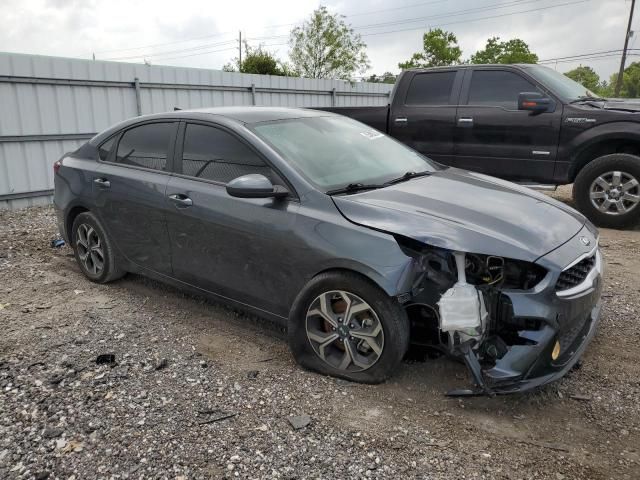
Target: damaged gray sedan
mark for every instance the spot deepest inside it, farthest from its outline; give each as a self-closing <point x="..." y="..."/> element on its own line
<point x="358" y="244"/>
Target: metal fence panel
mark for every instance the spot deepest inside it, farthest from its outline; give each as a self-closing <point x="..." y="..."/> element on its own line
<point x="51" y="105"/>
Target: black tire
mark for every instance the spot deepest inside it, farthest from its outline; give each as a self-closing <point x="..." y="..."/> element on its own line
<point x="388" y="312"/>
<point x="628" y="165"/>
<point x="109" y="270"/>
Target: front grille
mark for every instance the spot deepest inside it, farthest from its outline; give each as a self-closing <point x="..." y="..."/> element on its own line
<point x="575" y="275"/>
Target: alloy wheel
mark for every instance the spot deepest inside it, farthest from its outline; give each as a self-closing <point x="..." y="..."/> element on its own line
<point x="89" y="247"/>
<point x="344" y="331"/>
<point x="615" y="193"/>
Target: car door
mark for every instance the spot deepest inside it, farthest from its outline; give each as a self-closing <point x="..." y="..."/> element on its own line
<point x="233" y="247"/>
<point x="494" y="137"/>
<point x="130" y="189"/>
<point x="423" y="112"/>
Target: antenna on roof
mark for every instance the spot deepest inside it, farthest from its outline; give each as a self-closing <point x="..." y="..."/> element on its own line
<point x="175" y="109"/>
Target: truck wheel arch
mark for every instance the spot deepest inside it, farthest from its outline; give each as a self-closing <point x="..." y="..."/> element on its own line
<point x="600" y="146"/>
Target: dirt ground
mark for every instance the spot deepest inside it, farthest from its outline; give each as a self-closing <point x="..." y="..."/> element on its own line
<point x="200" y="391"/>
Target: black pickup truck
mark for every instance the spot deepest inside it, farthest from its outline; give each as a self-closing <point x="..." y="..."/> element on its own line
<point x="525" y="123"/>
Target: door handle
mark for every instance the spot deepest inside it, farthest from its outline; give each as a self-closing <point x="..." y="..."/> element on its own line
<point x="102" y="182"/>
<point x="466" y="121"/>
<point x="401" y="120"/>
<point x="180" y="200"/>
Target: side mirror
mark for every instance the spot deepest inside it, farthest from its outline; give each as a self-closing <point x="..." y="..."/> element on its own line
<point x="534" y="102"/>
<point x="255" y="186"/>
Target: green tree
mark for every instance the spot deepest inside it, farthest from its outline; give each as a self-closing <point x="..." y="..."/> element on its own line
<point x="440" y="48"/>
<point x="585" y="76"/>
<point x="326" y="47"/>
<point x="386" y="77"/>
<point x="630" y="81"/>
<point x="257" y="60"/>
<point x="512" y="51"/>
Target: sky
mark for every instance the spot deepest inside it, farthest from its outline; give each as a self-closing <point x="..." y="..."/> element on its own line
<point x="204" y="33"/>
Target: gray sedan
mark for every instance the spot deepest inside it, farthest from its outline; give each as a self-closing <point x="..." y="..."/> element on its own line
<point x="355" y="242"/>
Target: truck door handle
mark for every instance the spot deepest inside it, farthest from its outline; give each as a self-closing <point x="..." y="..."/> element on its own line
<point x="465" y="121"/>
<point x="102" y="182"/>
<point x="180" y="200"/>
<point x="401" y="120"/>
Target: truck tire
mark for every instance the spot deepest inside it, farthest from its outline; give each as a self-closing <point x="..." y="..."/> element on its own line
<point x="343" y="325"/>
<point x="607" y="190"/>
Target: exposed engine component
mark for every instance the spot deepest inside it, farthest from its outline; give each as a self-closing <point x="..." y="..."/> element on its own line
<point x="462" y="308"/>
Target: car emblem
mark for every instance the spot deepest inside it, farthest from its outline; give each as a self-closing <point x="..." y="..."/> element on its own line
<point x="585" y="241"/>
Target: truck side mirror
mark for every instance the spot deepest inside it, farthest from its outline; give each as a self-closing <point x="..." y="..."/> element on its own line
<point x="534" y="102"/>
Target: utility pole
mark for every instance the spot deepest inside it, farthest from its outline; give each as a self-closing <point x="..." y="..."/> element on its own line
<point x="240" y="50"/>
<point x="624" y="51"/>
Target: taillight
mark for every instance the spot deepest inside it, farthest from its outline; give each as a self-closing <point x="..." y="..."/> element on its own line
<point x="57" y="165"/>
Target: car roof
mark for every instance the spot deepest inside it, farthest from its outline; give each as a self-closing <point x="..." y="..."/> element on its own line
<point x="245" y="115"/>
<point x="258" y="114"/>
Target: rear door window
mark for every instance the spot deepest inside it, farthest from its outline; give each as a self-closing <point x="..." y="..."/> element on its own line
<point x="214" y="154"/>
<point x="430" y="88"/>
<point x="146" y="146"/>
<point x="498" y="88"/>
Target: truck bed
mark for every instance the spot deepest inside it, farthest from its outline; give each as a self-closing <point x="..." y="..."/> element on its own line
<point x="375" y="117"/>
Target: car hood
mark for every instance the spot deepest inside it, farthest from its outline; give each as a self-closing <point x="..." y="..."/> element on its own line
<point x="466" y="211"/>
<point x="625" y="104"/>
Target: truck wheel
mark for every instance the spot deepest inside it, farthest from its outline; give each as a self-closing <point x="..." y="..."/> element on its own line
<point x="343" y="325"/>
<point x="607" y="190"/>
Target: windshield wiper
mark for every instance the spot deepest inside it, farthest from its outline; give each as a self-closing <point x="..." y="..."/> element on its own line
<point x="588" y="98"/>
<point x="354" y="187"/>
<point x="408" y="176"/>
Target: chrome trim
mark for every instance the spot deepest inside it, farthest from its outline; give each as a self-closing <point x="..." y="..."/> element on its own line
<point x="582" y="257"/>
<point x="589" y="283"/>
<point x="540" y="152"/>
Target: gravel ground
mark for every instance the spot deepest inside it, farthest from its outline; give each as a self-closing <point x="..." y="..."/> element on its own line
<point x="200" y="391"/>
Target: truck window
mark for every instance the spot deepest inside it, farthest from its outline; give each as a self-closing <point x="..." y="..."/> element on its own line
<point x="430" y="88"/>
<point x="498" y="88"/>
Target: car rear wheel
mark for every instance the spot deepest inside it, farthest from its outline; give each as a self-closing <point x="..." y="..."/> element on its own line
<point x="343" y="325"/>
<point x="93" y="249"/>
<point x="607" y="190"/>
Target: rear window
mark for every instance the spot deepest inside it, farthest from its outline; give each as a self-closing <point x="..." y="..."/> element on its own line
<point x="146" y="146"/>
<point x="430" y="88"/>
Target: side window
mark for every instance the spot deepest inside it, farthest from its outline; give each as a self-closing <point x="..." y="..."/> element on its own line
<point x="497" y="88"/>
<point x="214" y="154"/>
<point x="105" y="149"/>
<point x="146" y="146"/>
<point x="430" y="88"/>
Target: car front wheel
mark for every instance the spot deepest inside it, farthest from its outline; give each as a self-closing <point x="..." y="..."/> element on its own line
<point x="607" y="190"/>
<point x="345" y="326"/>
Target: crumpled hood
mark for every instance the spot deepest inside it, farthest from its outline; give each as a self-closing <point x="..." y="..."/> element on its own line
<point x="466" y="211"/>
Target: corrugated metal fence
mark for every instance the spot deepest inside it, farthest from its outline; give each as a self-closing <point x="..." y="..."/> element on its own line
<point x="51" y="105"/>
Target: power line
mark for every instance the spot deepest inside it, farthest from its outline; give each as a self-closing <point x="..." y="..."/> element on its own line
<point x="199" y="47"/>
<point x="512" y="3"/>
<point x="475" y="19"/>
<point x="271" y="37"/>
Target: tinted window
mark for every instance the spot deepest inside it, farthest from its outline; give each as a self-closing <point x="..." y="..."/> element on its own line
<point x="498" y="89"/>
<point x="216" y="155"/>
<point x="146" y="146"/>
<point x="430" y="88"/>
<point x="105" y="149"/>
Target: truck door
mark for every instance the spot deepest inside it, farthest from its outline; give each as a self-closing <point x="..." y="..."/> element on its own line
<point x="492" y="136"/>
<point x="423" y="112"/>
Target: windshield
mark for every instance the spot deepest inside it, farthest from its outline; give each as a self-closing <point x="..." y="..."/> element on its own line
<point x="333" y="152"/>
<point x="567" y="89"/>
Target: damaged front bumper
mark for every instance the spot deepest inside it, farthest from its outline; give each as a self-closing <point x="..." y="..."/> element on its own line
<point x="554" y="322"/>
